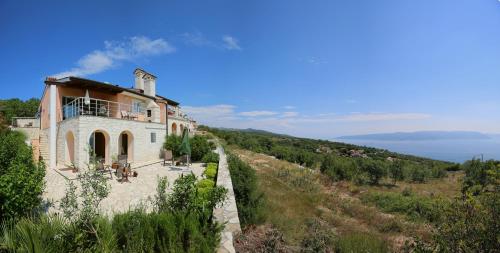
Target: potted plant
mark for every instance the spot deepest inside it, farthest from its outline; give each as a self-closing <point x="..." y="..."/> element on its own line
<point x="114" y="160"/>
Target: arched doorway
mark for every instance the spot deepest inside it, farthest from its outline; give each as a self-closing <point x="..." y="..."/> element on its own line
<point x="126" y="145"/>
<point x="99" y="145"/>
<point x="174" y="128"/>
<point x="182" y="128"/>
<point x="70" y="148"/>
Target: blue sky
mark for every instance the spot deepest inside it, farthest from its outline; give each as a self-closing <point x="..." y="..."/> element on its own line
<point x="308" y="68"/>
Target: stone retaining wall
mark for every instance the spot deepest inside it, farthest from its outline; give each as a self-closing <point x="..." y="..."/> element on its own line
<point x="228" y="213"/>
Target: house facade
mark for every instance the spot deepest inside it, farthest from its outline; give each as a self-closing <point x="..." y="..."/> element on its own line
<point x="79" y="117"/>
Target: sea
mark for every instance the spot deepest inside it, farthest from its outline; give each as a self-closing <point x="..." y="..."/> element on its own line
<point x="445" y="150"/>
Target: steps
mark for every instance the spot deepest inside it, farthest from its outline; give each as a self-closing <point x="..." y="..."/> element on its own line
<point x="44" y="147"/>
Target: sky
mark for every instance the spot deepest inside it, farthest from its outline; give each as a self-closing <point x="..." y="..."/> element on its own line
<point x="317" y="69"/>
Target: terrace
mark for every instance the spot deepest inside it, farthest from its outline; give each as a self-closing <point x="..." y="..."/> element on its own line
<point x="103" y="108"/>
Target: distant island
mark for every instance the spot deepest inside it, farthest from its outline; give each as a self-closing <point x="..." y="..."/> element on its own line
<point x="419" y="136"/>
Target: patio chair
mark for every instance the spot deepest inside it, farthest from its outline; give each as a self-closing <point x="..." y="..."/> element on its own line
<point x="122" y="159"/>
<point x="124" y="115"/>
<point x="167" y="156"/>
<point x="101" y="167"/>
<point x="133" y="116"/>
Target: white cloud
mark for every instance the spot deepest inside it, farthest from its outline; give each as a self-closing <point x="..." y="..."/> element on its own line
<point x="196" y="39"/>
<point x="384" y="116"/>
<point x="210" y="112"/>
<point x="313" y="60"/>
<point x="289" y="114"/>
<point x="289" y="107"/>
<point x="257" y="113"/>
<point x="115" y="52"/>
<point x="325" y="125"/>
<point x="230" y="43"/>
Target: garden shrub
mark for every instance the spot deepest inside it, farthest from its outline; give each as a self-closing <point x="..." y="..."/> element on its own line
<point x="181" y="222"/>
<point x="206" y="183"/>
<point x="199" y="147"/>
<point x="21" y="179"/>
<point x="210" y="157"/>
<point x="211" y="171"/>
<point x="414" y="206"/>
<point x="173" y="142"/>
<point x="249" y="199"/>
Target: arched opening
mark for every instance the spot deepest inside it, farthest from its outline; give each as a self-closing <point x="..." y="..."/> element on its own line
<point x="174" y="128"/>
<point x="126" y="145"/>
<point x="99" y="145"/>
<point x="70" y="148"/>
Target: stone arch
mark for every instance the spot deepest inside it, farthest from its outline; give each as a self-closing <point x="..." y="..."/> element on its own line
<point x="69" y="148"/>
<point x="126" y="145"/>
<point x="99" y="145"/>
<point x="174" y="128"/>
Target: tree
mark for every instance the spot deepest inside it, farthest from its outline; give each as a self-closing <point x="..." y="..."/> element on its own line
<point x="172" y="142"/>
<point x="199" y="147"/>
<point x="375" y="169"/>
<point x="21" y="179"/>
<point x="17" y="108"/>
<point x="396" y="171"/>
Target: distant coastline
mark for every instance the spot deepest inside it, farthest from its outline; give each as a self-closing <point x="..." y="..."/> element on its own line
<point x="451" y="149"/>
<point x="420" y="136"/>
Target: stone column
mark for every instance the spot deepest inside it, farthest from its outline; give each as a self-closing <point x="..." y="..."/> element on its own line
<point x="52" y="126"/>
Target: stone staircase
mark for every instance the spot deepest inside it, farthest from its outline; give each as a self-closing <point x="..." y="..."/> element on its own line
<point x="44" y="147"/>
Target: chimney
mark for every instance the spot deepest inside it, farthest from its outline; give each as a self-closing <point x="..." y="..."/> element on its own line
<point x="150" y="85"/>
<point x="139" y="81"/>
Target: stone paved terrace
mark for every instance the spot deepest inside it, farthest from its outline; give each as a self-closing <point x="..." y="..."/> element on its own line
<point x="122" y="195"/>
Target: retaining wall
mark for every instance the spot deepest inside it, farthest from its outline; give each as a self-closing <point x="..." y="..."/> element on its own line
<point x="228" y="213"/>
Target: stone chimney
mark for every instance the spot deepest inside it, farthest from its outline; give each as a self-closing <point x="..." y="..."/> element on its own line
<point x="145" y="81"/>
<point x="150" y="85"/>
<point x="139" y="81"/>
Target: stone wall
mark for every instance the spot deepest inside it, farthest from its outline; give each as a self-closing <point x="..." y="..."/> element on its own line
<point x="228" y="213"/>
<point x="82" y="127"/>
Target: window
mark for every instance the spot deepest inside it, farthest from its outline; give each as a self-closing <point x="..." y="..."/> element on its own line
<point x="149" y="113"/>
<point x="136" y="106"/>
<point x="153" y="137"/>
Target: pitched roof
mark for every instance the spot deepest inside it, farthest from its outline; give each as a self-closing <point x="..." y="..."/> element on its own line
<point x="79" y="82"/>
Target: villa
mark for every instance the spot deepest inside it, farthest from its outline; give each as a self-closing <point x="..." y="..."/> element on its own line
<point x="77" y="115"/>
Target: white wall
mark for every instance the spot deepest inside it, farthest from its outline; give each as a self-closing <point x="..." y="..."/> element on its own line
<point x="83" y="126"/>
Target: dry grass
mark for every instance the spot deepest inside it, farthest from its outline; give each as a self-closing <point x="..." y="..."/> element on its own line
<point x="295" y="195"/>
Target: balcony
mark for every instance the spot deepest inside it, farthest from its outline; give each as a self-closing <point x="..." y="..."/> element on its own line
<point x="103" y="108"/>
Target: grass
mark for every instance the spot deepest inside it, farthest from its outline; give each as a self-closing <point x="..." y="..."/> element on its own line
<point x="360" y="242"/>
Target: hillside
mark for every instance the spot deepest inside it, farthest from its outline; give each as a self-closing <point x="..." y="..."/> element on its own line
<point x="307" y="195"/>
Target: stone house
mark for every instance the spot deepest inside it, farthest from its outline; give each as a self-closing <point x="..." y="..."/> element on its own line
<point x="78" y="115"/>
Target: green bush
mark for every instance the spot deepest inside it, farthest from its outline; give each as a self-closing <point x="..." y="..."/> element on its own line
<point x="375" y="170"/>
<point x="360" y="242"/>
<point x="249" y="199"/>
<point x="211" y="171"/>
<point x="210" y="157"/>
<point x="206" y="183"/>
<point x="181" y="222"/>
<point x="199" y="147"/>
<point x="21" y="179"/>
<point x="137" y="231"/>
<point x="415" y="207"/>
<point x="173" y="142"/>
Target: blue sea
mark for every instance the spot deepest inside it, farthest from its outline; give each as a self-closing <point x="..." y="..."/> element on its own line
<point x="446" y="150"/>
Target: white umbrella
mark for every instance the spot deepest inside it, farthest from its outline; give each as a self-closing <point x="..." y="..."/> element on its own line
<point x="87" y="97"/>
